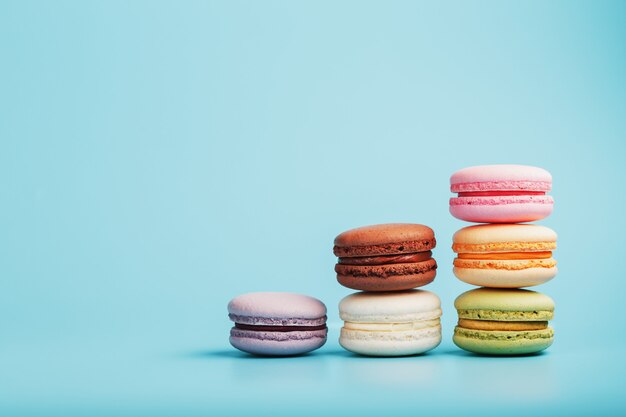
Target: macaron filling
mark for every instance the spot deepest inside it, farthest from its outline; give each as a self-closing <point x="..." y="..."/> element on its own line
<point x="386" y="259"/>
<point x="505" y="256"/>
<point x="494" y="325"/>
<point x="391" y="327"/>
<point x="278" y="328"/>
<point x="498" y="193"/>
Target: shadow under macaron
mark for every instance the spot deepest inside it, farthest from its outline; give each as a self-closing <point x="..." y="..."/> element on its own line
<point x="237" y="354"/>
<point x="466" y="354"/>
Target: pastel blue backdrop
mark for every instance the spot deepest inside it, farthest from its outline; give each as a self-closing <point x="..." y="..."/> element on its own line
<point x="158" y="158"/>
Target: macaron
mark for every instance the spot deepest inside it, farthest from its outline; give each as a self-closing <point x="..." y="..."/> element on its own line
<point x="504" y="255"/>
<point x="277" y="323"/>
<point x="385" y="257"/>
<point x="503" y="321"/>
<point x="390" y="323"/>
<point x="501" y="194"/>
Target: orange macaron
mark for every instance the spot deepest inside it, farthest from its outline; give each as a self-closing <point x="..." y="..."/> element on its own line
<point x="505" y="255"/>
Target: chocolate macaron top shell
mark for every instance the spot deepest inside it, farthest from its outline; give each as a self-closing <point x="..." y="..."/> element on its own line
<point x="385" y="239"/>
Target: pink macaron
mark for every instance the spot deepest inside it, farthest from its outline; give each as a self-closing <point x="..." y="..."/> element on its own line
<point x="501" y="194"/>
<point x="277" y="323"/>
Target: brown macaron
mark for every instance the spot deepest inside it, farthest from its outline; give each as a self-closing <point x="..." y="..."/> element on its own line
<point x="385" y="257"/>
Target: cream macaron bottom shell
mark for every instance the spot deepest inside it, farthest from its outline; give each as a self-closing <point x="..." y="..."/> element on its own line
<point x="505" y="278"/>
<point x="390" y="323"/>
<point x="376" y="342"/>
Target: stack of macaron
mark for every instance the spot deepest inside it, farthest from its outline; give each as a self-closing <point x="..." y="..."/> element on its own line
<point x="389" y="317"/>
<point x="503" y="256"/>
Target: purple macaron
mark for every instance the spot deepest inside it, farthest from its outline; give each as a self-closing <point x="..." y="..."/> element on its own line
<point x="277" y="323"/>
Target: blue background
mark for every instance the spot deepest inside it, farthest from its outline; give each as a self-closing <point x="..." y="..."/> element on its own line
<point x="159" y="158"/>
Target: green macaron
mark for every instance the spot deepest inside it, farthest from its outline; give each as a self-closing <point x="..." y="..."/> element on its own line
<point x="503" y="321"/>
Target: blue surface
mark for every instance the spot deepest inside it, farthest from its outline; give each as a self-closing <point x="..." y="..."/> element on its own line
<point x="159" y="158"/>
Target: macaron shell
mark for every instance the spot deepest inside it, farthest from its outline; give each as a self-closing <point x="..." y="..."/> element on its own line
<point x="510" y="343"/>
<point x="390" y="307"/>
<point x="503" y="300"/>
<point x="277" y="343"/>
<point x="390" y="283"/>
<point x="521" y="234"/>
<point x="500" y="209"/>
<point x="277" y="305"/>
<point x="384" y="234"/>
<point x="391" y="343"/>
<point x="499" y="278"/>
<point x="505" y="278"/>
<point x="499" y="174"/>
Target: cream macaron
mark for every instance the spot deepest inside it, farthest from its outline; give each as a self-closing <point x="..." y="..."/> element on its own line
<point x="390" y="323"/>
<point x="505" y="256"/>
